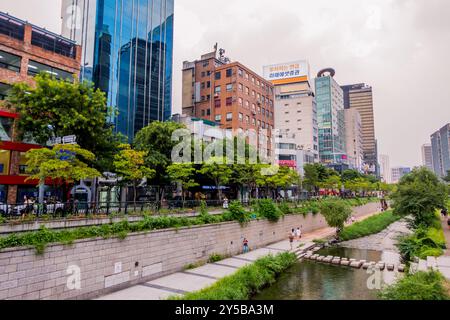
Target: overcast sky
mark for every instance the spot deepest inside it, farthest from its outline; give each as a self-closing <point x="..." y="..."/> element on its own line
<point x="399" y="47"/>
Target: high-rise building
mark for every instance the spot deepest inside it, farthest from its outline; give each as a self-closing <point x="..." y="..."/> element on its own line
<point x="25" y="51"/>
<point x="295" y="105"/>
<point x="427" y="156"/>
<point x="232" y="95"/>
<point x="440" y="144"/>
<point x="360" y="97"/>
<point x="354" y="139"/>
<point x="331" y="119"/>
<point x="127" y="53"/>
<point x="385" y="168"/>
<point x="398" y="173"/>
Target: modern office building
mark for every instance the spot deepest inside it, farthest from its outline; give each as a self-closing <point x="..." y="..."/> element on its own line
<point x="398" y="173"/>
<point x="360" y="97"/>
<point x="440" y="144"/>
<point x="25" y="51"/>
<point x="385" y="168"/>
<point x="295" y="104"/>
<point x="427" y="156"/>
<point x="127" y="53"/>
<point x="232" y="95"/>
<point x="354" y="139"/>
<point x="331" y="119"/>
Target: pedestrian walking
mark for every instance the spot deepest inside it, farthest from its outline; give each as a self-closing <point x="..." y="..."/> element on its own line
<point x="225" y="203"/>
<point x="245" y="244"/>
<point x="291" y="239"/>
<point x="298" y="233"/>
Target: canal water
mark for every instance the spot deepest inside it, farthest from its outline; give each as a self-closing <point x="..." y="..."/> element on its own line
<point x="309" y="280"/>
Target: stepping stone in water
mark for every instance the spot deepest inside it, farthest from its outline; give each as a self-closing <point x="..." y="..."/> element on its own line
<point x="401" y="268"/>
<point x="328" y="259"/>
<point x="345" y="263"/>
<point x="320" y="258"/>
<point x="366" y="265"/>
<point x="336" y="261"/>
<point x="356" y="264"/>
<point x="380" y="265"/>
<point x="390" y="267"/>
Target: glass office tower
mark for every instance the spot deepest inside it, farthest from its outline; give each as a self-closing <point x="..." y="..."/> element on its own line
<point x="127" y="53"/>
<point x="331" y="121"/>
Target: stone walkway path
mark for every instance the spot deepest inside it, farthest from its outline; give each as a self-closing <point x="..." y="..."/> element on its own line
<point x="196" y="279"/>
<point x="383" y="241"/>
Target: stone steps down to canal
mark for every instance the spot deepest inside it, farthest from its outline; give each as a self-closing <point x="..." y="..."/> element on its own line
<point x="441" y="264"/>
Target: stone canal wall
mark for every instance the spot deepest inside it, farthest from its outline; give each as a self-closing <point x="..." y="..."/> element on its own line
<point x="106" y="265"/>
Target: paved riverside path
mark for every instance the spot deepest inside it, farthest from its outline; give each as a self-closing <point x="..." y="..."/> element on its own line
<point x="196" y="279"/>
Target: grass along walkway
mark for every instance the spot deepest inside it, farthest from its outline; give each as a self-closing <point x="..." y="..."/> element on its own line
<point x="247" y="281"/>
<point x="369" y="226"/>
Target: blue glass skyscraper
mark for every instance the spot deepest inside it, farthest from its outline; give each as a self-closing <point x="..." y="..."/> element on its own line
<point x="127" y="53"/>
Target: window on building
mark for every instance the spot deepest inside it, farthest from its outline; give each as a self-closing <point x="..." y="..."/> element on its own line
<point x="247" y="104"/>
<point x="205" y="63"/>
<point x="10" y="61"/>
<point x="240" y="72"/>
<point x="218" y="89"/>
<point x="253" y="79"/>
<point x="6" y="128"/>
<point x="253" y="107"/>
<point x="247" y="119"/>
<point x="217" y="103"/>
<point x="259" y="110"/>
<point x="257" y="82"/>
<point x="217" y="75"/>
<point x="253" y="93"/>
<point x="208" y="112"/>
<point x="254" y="121"/>
<point x="203" y="74"/>
<point x="4" y="89"/>
<point x="247" y="90"/>
<point x="208" y="97"/>
<point x="229" y="73"/>
<point x="246" y="75"/>
<point x="35" y="68"/>
<point x="22" y="163"/>
<point x="229" y="101"/>
<point x="208" y="84"/>
<point x="240" y="102"/>
<point x="229" y="116"/>
<point x="241" y="117"/>
<point x="5" y="158"/>
<point x="203" y="85"/>
<point x="267" y="113"/>
<point x="218" y="118"/>
<point x="229" y="87"/>
<point x="263" y="111"/>
<point x="208" y="73"/>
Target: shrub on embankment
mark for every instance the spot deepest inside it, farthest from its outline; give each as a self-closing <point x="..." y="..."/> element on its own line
<point x="369" y="226"/>
<point x="247" y="281"/>
<point x="424" y="242"/>
<point x="418" y="286"/>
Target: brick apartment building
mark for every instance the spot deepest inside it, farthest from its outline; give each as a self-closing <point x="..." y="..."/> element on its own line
<point x="25" y="51"/>
<point x="231" y="94"/>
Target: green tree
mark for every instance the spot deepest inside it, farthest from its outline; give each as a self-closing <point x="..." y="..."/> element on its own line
<point x="219" y="171"/>
<point x="64" y="164"/>
<point x="311" y="177"/>
<point x="130" y="165"/>
<point x="336" y="212"/>
<point x="420" y="194"/>
<point x="54" y="108"/>
<point x="332" y="182"/>
<point x="349" y="175"/>
<point x="184" y="174"/>
<point x="156" y="139"/>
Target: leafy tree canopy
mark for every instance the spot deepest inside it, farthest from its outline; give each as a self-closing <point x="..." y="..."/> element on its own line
<point x="65" y="163"/>
<point x="53" y="108"/>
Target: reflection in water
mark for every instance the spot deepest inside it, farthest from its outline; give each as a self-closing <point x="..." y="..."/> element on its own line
<point x="309" y="280"/>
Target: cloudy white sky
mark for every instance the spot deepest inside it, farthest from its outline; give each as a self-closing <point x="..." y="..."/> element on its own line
<point x="399" y="47"/>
